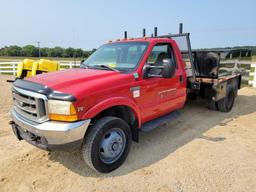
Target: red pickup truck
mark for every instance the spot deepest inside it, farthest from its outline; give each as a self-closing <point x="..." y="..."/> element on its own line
<point x="125" y="87"/>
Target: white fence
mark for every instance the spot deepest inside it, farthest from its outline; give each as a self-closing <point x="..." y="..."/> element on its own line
<point x="252" y="76"/>
<point x="8" y="67"/>
<point x="244" y="67"/>
<point x="249" y="73"/>
<point x="11" y="67"/>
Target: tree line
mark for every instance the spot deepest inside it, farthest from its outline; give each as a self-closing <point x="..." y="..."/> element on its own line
<point x="251" y="48"/>
<point x="33" y="51"/>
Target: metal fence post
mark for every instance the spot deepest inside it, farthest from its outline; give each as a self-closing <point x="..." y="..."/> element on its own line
<point x="252" y="75"/>
<point x="70" y="65"/>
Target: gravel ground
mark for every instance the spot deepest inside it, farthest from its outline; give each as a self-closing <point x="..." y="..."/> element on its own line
<point x="202" y="150"/>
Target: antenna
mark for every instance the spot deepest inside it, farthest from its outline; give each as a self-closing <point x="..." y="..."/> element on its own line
<point x="125" y="34"/>
<point x="39" y="52"/>
<point x="74" y="44"/>
<point x="144" y="32"/>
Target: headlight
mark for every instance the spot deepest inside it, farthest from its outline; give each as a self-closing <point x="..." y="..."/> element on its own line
<point x="61" y="110"/>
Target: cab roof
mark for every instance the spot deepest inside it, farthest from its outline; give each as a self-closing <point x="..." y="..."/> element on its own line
<point x="142" y="39"/>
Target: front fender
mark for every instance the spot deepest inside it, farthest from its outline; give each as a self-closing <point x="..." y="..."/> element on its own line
<point x="112" y="102"/>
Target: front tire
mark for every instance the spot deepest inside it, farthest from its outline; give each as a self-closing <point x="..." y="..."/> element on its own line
<point x="107" y="144"/>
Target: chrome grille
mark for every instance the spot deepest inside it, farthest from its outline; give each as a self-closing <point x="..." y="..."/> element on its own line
<point x="30" y="105"/>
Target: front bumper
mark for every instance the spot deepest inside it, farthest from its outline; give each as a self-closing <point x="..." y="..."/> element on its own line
<point x="50" y="135"/>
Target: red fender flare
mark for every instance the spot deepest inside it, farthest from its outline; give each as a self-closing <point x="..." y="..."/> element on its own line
<point x="112" y="102"/>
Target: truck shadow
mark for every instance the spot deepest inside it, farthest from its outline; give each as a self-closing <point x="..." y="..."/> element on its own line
<point x="154" y="146"/>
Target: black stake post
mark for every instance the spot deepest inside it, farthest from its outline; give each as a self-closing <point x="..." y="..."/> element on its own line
<point x="144" y="32"/>
<point x="181" y="28"/>
<point x="155" y="31"/>
<point x="125" y="34"/>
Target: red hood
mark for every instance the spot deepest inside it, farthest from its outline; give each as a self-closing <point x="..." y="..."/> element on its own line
<point x="80" y="81"/>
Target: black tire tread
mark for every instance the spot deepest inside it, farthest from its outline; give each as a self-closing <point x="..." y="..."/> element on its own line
<point x="90" y="137"/>
<point x="221" y="104"/>
<point x="212" y="105"/>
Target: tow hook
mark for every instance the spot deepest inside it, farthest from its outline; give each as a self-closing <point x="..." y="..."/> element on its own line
<point x="15" y="130"/>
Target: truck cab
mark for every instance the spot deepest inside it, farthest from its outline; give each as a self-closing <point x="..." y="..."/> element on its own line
<point x="157" y="79"/>
<point x="125" y="87"/>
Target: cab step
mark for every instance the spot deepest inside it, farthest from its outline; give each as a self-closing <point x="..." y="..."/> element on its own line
<point x="159" y="121"/>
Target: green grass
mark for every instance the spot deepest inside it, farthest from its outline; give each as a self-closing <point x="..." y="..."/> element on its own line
<point x="254" y="58"/>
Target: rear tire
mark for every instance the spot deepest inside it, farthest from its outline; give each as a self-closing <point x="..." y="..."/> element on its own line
<point x="192" y="96"/>
<point x="212" y="105"/>
<point x="107" y="144"/>
<point x="226" y="104"/>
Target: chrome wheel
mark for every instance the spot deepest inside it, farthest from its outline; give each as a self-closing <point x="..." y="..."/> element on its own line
<point x="112" y="145"/>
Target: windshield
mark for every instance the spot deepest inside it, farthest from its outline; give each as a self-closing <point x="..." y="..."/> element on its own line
<point x="117" y="56"/>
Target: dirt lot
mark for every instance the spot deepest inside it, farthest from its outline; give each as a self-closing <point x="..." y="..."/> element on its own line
<point x="202" y="150"/>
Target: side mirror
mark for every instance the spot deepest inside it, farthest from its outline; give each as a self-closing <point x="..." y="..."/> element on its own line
<point x="167" y="70"/>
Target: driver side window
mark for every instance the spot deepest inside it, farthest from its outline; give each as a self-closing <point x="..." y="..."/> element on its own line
<point x="158" y="54"/>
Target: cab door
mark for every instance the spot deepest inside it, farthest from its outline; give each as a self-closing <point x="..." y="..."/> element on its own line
<point x="164" y="92"/>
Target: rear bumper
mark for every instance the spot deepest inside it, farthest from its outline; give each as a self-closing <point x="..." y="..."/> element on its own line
<point x="50" y="135"/>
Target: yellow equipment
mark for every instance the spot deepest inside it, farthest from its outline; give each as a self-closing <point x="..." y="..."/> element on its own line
<point x="24" y="68"/>
<point x="29" y="67"/>
<point x="44" y="66"/>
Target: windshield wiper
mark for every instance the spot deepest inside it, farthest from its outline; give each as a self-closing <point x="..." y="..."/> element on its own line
<point x="84" y="66"/>
<point x="107" y="67"/>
